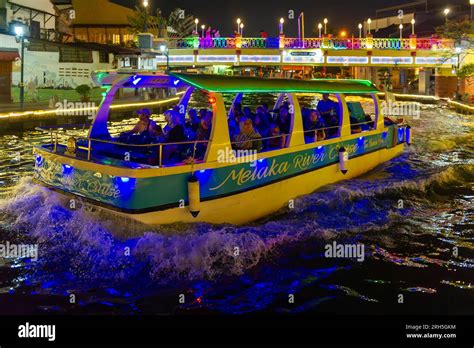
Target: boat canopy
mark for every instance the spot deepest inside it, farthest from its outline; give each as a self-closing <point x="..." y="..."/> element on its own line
<point x="242" y="84"/>
<point x="232" y="84"/>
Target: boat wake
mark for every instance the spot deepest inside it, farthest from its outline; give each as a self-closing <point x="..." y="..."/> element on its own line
<point x="80" y="244"/>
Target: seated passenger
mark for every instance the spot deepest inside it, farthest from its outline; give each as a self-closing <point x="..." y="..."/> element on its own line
<point x="327" y="107"/>
<point x="202" y="113"/>
<point x="267" y="112"/>
<point x="315" y="127"/>
<point x="141" y="132"/>
<point x="261" y="124"/>
<point x="168" y="118"/>
<point x="236" y="111"/>
<point x="176" y="134"/>
<point x="248" y="138"/>
<point x="264" y="116"/>
<point x="193" y="120"/>
<point x="248" y="113"/>
<point x="203" y="134"/>
<point x="157" y="134"/>
<point x="277" y="139"/>
<point x="204" y="130"/>
<point x="145" y="123"/>
<point x="284" y="119"/>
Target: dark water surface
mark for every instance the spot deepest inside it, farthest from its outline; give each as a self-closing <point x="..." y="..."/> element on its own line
<point x="409" y="249"/>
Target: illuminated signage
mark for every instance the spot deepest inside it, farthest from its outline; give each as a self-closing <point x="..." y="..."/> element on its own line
<point x="436" y="61"/>
<point x="347" y="60"/>
<point x="259" y="59"/>
<point x="176" y="59"/>
<point x="303" y="57"/>
<point x="392" y="60"/>
<point x="217" y="59"/>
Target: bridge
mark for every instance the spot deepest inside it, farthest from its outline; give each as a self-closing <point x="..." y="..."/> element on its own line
<point x="410" y="52"/>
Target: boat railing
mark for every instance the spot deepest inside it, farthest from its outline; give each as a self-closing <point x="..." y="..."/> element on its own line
<point x="54" y="132"/>
<point x="160" y="148"/>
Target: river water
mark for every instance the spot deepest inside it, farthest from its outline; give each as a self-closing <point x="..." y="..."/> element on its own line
<point x="414" y="215"/>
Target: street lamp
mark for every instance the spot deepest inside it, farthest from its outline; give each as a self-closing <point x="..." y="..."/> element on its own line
<point x="145" y="6"/>
<point x="196" y="22"/>
<point x="20" y="35"/>
<point x="325" y="25"/>
<point x="242" y="29"/>
<point x="413" y="25"/>
<point x="202" y="30"/>
<point x="165" y="52"/>
<point x="446" y="12"/>
<point x="343" y="34"/>
<point x="471" y="2"/>
<point x="369" y="21"/>
<point x="320" y="26"/>
<point x="401" y="31"/>
<point x="238" y="25"/>
<point x="282" y="21"/>
<point x="360" y="30"/>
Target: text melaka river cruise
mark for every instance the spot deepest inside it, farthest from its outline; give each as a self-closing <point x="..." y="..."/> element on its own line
<point x="136" y="179"/>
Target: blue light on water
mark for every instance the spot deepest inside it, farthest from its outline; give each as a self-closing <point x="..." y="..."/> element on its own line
<point x="39" y="160"/>
<point x="67" y="169"/>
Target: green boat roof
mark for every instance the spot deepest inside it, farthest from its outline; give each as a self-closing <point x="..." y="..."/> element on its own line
<point x="242" y="84"/>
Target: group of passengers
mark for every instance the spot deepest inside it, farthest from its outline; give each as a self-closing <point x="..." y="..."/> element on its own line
<point x="265" y="130"/>
<point x="262" y="130"/>
<point x="178" y="133"/>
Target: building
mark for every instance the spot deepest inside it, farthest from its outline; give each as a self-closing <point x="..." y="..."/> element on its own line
<point x="97" y="21"/>
<point x="65" y="42"/>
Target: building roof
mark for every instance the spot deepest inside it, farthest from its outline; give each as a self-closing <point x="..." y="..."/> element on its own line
<point x="100" y="12"/>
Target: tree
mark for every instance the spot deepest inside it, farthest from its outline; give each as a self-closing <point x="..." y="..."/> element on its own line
<point x="177" y="25"/>
<point x="84" y="91"/>
<point x="461" y="32"/>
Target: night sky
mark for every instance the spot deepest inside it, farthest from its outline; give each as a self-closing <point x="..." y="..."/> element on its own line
<point x="264" y="14"/>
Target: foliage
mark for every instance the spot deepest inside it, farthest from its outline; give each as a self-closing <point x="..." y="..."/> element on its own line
<point x="177" y="25"/>
<point x="466" y="71"/>
<point x="84" y="90"/>
<point x="457" y="30"/>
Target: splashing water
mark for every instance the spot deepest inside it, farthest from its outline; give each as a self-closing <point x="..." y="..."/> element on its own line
<point x="409" y="214"/>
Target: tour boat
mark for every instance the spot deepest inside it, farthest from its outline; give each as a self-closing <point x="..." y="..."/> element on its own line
<point x="217" y="188"/>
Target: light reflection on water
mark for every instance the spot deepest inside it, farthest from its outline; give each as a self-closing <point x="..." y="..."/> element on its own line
<point x="410" y="249"/>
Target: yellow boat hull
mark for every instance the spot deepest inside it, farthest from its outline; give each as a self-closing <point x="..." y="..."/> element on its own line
<point x="255" y="204"/>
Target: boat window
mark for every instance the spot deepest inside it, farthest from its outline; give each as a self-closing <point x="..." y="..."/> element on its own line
<point x="176" y="136"/>
<point x="258" y="122"/>
<point x="322" y="116"/>
<point x="362" y="112"/>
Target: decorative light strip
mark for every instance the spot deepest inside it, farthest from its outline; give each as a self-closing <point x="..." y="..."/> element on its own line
<point x="259" y="59"/>
<point x="55" y="112"/>
<point x="436" y="61"/>
<point x="392" y="60"/>
<point x="347" y="60"/>
<point x="217" y="59"/>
